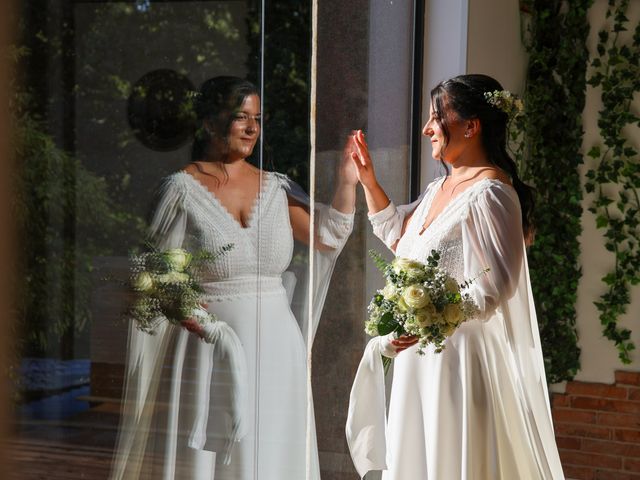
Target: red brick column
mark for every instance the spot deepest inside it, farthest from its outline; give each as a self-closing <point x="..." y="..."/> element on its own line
<point x="598" y="428"/>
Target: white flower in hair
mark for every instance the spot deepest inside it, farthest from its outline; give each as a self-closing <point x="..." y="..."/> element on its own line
<point x="506" y="101"/>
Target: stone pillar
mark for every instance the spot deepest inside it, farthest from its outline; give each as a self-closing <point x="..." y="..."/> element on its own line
<point x="342" y="89"/>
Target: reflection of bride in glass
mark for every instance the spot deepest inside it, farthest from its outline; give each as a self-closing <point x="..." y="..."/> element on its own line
<point x="182" y="417"/>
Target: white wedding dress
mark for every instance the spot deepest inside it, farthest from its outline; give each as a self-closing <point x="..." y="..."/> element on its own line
<point x="183" y="417"/>
<point x="480" y="409"/>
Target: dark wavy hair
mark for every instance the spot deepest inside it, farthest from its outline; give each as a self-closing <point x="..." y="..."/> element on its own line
<point x="214" y="107"/>
<point x="464" y="95"/>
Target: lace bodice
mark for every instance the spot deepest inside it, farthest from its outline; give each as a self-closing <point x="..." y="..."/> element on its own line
<point x="189" y="215"/>
<point x="443" y="234"/>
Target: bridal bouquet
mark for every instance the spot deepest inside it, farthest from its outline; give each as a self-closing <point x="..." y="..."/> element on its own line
<point x="167" y="287"/>
<point x="418" y="299"/>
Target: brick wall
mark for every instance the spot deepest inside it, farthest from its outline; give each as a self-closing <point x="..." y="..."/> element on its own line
<point x="598" y="428"/>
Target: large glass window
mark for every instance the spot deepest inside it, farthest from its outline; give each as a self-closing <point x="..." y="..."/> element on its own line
<point x="118" y="128"/>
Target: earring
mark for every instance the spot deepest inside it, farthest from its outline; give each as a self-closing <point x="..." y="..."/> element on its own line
<point x="467" y="134"/>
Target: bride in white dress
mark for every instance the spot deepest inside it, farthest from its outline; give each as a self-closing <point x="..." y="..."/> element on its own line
<point x="479" y="410"/>
<point x="183" y="415"/>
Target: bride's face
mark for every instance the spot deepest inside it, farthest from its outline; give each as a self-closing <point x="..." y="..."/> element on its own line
<point x="244" y="129"/>
<point x="443" y="148"/>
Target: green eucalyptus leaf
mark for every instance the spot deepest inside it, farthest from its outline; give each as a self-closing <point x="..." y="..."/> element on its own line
<point x="387" y="324"/>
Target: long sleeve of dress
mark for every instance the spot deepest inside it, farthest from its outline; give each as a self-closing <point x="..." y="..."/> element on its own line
<point x="492" y="239"/>
<point x="332" y="229"/>
<point x="169" y="221"/>
<point x="387" y="223"/>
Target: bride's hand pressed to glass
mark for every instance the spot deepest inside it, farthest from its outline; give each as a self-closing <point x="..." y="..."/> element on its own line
<point x="362" y="160"/>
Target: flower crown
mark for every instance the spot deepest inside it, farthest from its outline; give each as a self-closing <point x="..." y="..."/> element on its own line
<point x="506" y="101"/>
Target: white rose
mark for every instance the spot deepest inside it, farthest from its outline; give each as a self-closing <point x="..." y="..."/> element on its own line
<point x="402" y="305"/>
<point x="389" y="292"/>
<point x="415" y="296"/>
<point x="448" y="330"/>
<point x="453" y="314"/>
<point x="143" y="282"/>
<point x="430" y="310"/>
<point x="414" y="272"/>
<point x="401" y="264"/>
<point x="177" y="258"/>
<point x="422" y="318"/>
<point x="451" y="286"/>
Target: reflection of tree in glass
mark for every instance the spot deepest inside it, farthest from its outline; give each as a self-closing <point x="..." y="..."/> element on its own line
<point x="54" y="193"/>
<point x="287" y="79"/>
<point x="197" y="40"/>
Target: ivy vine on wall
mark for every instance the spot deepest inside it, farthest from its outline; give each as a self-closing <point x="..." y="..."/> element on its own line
<point x="549" y="154"/>
<point x="615" y="178"/>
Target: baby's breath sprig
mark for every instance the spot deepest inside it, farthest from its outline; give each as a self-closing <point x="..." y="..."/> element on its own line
<point x="506" y="101"/>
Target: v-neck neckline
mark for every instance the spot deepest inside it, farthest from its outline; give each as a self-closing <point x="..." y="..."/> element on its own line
<point x="452" y="202"/>
<point x="253" y="212"/>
